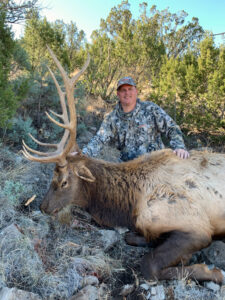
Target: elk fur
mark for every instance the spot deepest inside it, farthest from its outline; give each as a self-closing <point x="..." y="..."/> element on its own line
<point x="155" y="194"/>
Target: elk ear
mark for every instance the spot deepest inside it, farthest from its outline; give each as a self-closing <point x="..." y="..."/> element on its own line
<point x="84" y="173"/>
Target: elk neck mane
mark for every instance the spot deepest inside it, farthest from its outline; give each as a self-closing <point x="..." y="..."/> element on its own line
<point x="114" y="194"/>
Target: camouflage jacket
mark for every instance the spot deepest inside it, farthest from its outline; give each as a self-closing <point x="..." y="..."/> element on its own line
<point x="136" y="132"/>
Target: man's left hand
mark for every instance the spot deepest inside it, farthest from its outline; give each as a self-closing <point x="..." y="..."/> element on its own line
<point x="184" y="154"/>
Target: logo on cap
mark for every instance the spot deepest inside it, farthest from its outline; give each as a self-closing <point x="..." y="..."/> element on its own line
<point x="125" y="80"/>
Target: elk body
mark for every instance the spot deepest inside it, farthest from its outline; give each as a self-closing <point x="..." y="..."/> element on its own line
<point x="154" y="195"/>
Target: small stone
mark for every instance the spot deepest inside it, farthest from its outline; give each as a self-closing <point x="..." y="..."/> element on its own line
<point x="102" y="290"/>
<point x="215" y="254"/>
<point x="109" y="238"/>
<point x="121" y="230"/>
<point x="127" y="289"/>
<point x="160" y="293"/>
<point x="223" y="273"/>
<point x="89" y="292"/>
<point x="153" y="291"/>
<point x="90" y="280"/>
<point x="222" y="292"/>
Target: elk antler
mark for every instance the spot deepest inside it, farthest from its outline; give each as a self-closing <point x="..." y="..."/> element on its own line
<point x="68" y="141"/>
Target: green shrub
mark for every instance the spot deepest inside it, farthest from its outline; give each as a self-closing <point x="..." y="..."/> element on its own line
<point x="12" y="191"/>
<point x="19" y="131"/>
<point x="81" y="128"/>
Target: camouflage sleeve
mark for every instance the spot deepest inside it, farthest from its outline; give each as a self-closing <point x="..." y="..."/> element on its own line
<point x="168" y="126"/>
<point x="104" y="136"/>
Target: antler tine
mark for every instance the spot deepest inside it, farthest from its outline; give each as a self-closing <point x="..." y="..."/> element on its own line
<point x="46" y="159"/>
<point x="68" y="140"/>
<point x="69" y="86"/>
<point x="61" y="97"/>
<point x="65" y="126"/>
<point x="64" y="115"/>
<point x="77" y="76"/>
<point x="42" y="144"/>
<point x="58" y="64"/>
<point x="35" y="151"/>
<point x="55" y="114"/>
<point x="53" y="154"/>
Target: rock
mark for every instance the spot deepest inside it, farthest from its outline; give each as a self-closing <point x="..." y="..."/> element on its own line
<point x="127" y="289"/>
<point x="12" y="231"/>
<point x="159" y="293"/>
<point x="17" y="256"/>
<point x="87" y="293"/>
<point x="90" y="280"/>
<point x="60" y="286"/>
<point x="15" y="294"/>
<point x="181" y="290"/>
<point x="103" y="290"/>
<point x="153" y="291"/>
<point x="82" y="266"/>
<point x="67" y="280"/>
<point x="222" y="292"/>
<point x="121" y="230"/>
<point x="215" y="254"/>
<point x="145" y="286"/>
<point x="37" y="228"/>
<point x="223" y="273"/>
<point x="212" y="286"/>
<point x="108" y="238"/>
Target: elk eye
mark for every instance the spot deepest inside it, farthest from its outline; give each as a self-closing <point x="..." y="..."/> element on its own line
<point x="64" y="184"/>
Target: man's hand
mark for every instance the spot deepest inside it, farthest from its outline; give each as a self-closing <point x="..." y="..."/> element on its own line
<point x="181" y="153"/>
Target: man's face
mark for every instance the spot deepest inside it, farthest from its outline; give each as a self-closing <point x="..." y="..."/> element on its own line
<point x="127" y="95"/>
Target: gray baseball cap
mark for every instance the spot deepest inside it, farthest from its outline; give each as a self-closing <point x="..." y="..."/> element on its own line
<point x="125" y="80"/>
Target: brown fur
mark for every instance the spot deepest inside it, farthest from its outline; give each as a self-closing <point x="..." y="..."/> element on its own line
<point x="155" y="194"/>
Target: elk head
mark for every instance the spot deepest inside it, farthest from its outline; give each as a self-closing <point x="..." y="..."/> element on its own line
<point x="66" y="184"/>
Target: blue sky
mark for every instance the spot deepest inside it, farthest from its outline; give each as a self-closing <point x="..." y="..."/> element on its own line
<point x="87" y="13"/>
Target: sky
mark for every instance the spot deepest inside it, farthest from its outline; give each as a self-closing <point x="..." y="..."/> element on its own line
<point x="87" y="13"/>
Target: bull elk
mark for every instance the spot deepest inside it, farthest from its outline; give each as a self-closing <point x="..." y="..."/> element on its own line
<point x="156" y="194"/>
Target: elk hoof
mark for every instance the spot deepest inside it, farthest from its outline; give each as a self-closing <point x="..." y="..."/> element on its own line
<point x="148" y="269"/>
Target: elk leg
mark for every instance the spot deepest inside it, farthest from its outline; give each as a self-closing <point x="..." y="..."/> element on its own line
<point x="135" y="239"/>
<point x="177" y="249"/>
<point x="198" y="272"/>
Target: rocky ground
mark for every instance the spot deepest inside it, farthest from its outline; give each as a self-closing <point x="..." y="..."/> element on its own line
<point x="42" y="258"/>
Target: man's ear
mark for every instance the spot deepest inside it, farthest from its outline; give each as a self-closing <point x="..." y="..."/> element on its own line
<point x="84" y="173"/>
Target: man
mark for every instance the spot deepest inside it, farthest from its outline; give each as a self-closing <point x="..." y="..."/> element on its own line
<point x="135" y="127"/>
